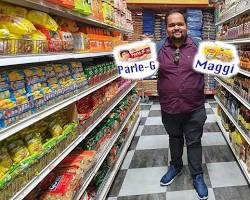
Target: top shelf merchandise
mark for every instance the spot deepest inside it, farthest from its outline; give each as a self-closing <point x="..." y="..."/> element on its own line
<point x="111" y="14"/>
<point x="231" y="9"/>
<point x="36" y="36"/>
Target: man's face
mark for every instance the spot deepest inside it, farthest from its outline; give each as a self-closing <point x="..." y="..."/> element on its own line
<point x="125" y="55"/>
<point x="176" y="26"/>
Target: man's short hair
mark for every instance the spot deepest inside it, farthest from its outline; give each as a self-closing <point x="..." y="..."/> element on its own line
<point x="124" y="51"/>
<point x="175" y="11"/>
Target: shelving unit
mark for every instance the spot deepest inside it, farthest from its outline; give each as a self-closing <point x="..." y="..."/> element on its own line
<point x="237" y="41"/>
<point x="63" y="12"/>
<point x="242" y="100"/>
<point x="11" y="130"/>
<point x="233" y="16"/>
<point x="23" y="59"/>
<point x="35" y="181"/>
<point x="103" y="154"/>
<point x="244" y="72"/>
<point x="102" y="193"/>
<point x="236" y="124"/>
<point x="226" y="136"/>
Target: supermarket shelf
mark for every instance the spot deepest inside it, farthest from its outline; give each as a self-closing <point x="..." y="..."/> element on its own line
<point x="233" y="16"/>
<point x="104" y="154"/>
<point x="26" y="59"/>
<point x="243" y="133"/>
<point x="63" y="12"/>
<point x="35" y="181"/>
<point x="105" y="189"/>
<point x="237" y="41"/>
<point x="11" y="130"/>
<point x="244" y="72"/>
<point x="242" y="100"/>
<point x="226" y="136"/>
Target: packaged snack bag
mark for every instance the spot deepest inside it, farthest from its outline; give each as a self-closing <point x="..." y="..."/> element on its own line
<point x="65" y="3"/>
<point x="17" y="25"/>
<point x="10" y="10"/>
<point x="54" y="128"/>
<point x="16" y="148"/>
<point x="42" y="19"/>
<point x="68" y="25"/>
<point x="39" y="42"/>
<point x="79" y="42"/>
<point x="67" y="40"/>
<point x="60" y="187"/>
<point x="32" y="140"/>
<point x="83" y="7"/>
<point x="5" y="160"/>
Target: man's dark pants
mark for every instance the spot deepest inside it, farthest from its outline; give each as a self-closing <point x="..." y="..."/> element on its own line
<point x="188" y="125"/>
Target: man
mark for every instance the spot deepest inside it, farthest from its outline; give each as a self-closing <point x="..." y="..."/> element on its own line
<point x="125" y="55"/>
<point x="181" y="94"/>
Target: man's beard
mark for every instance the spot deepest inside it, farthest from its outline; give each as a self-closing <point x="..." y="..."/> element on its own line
<point x="178" y="40"/>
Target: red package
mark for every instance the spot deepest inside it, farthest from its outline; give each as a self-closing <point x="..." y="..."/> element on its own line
<point x="54" y="41"/>
<point x="83" y="105"/>
<point x="60" y="188"/>
<point x="65" y="3"/>
<point x="67" y="40"/>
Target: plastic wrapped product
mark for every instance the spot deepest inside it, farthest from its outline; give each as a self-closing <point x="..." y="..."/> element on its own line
<point x="32" y="140"/>
<point x="42" y="19"/>
<point x="18" y="151"/>
<point x="17" y="25"/>
<point x="5" y="160"/>
<point x="60" y="189"/>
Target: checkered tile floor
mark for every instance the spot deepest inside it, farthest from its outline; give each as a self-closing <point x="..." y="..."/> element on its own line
<point x="147" y="160"/>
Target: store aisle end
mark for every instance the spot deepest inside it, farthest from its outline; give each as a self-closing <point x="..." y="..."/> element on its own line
<point x="148" y="157"/>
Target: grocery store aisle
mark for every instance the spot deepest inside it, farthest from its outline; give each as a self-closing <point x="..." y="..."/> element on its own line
<point x="148" y="157"/>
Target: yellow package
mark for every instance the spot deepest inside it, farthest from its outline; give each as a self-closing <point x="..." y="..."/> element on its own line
<point x="225" y="55"/>
<point x="16" y="148"/>
<point x="17" y="25"/>
<point x="7" y="9"/>
<point x="13" y="44"/>
<point x="42" y="19"/>
<point x="38" y="42"/>
<point x="55" y="129"/>
<point x="210" y="51"/>
<point x="4" y="32"/>
<point x="5" y="160"/>
<point x="32" y="140"/>
<point x="6" y="104"/>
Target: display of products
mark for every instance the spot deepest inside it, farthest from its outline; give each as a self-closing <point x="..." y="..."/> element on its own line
<point x="31" y="90"/>
<point x="194" y="22"/>
<point x="239" y="144"/>
<point x="244" y="60"/>
<point x="23" y="150"/>
<point x="111" y="12"/>
<point x="74" y="166"/>
<point x="138" y="26"/>
<point x="240" y="84"/>
<point x="25" y="31"/>
<point x="238" y="111"/>
<point x="208" y="27"/>
<point x="104" y="171"/>
<point x="147" y="87"/>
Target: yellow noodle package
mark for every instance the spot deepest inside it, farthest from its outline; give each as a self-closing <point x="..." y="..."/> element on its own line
<point x="42" y="19"/>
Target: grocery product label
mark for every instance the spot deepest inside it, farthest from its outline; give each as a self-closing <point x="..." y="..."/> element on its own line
<point x="217" y="58"/>
<point x="136" y="60"/>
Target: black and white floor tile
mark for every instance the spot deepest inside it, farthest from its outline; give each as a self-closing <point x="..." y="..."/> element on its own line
<point x="148" y="157"/>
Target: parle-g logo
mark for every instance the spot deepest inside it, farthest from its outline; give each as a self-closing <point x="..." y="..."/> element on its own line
<point x="217" y="58"/>
<point x="136" y="60"/>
